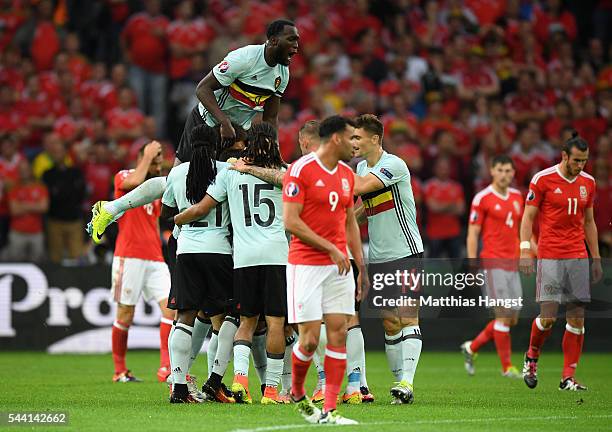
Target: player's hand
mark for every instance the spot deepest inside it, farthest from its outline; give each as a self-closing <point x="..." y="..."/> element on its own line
<point x="152" y="150"/>
<point x="240" y="165"/>
<point x="596" y="270"/>
<point x="526" y="262"/>
<point x="341" y="260"/>
<point x="228" y="134"/>
<point x="363" y="284"/>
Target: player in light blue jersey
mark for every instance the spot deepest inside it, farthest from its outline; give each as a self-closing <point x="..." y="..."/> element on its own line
<point x="202" y="278"/>
<point x="383" y="182"/>
<point x="260" y="256"/>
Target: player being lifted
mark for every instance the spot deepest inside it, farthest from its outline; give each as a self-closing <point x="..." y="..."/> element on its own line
<point x="260" y="257"/>
<point x="203" y="273"/>
<point x="318" y="212"/>
<point x="383" y="182"/>
<point x="562" y="197"/>
<point x="138" y="265"/>
<point x="495" y="215"/>
<point x="250" y="80"/>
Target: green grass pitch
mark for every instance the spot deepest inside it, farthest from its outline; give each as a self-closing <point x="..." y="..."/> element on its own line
<point x="446" y="398"/>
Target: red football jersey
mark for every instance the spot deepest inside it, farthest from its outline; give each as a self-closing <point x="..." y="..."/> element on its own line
<point x="325" y="195"/>
<point x="500" y="218"/>
<point x="562" y="204"/>
<point x="138" y="228"/>
<point x="443" y="225"/>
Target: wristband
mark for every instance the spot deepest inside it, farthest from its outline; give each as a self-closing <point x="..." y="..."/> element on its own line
<point x="525" y="245"/>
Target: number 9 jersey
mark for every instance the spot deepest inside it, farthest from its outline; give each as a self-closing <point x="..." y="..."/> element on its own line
<point x="562" y="204"/>
<point x="325" y="196"/>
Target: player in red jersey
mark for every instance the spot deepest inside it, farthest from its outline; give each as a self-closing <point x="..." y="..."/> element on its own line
<point x="318" y="211"/>
<point x="138" y="265"/>
<point x="495" y="215"/>
<point x="562" y="196"/>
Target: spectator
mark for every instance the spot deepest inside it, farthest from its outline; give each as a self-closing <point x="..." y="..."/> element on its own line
<point x="124" y="122"/>
<point x="99" y="171"/>
<point x="478" y="79"/>
<point x="445" y="205"/>
<point x="528" y="157"/>
<point x="145" y="46"/>
<point x="67" y="188"/>
<point x="28" y="201"/>
<point x="10" y="159"/>
<point x="44" y="161"/>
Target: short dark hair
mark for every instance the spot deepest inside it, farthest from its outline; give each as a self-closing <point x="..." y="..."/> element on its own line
<point x="371" y="124"/>
<point x="575" y="141"/>
<point x="333" y="124"/>
<point x="276" y="27"/>
<point x="502" y="159"/>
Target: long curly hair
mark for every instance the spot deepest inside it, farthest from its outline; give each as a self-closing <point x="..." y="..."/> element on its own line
<point x="262" y="147"/>
<point x="202" y="166"/>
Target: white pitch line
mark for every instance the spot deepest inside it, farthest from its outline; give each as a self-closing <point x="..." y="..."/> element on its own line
<point x="438" y="421"/>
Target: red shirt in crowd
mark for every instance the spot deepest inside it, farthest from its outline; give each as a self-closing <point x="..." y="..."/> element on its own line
<point x="28" y="223"/>
<point x="45" y="45"/>
<point x="118" y="118"/>
<point x="99" y="178"/>
<point x="526" y="165"/>
<point x="138" y="228"/>
<point x="443" y="225"/>
<point x="147" y="49"/>
<point x="325" y="196"/>
<point x="562" y="204"/>
<point x="187" y="35"/>
<point x="9" y="173"/>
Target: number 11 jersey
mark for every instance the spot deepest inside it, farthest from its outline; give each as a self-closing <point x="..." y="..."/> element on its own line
<point x="325" y="195"/>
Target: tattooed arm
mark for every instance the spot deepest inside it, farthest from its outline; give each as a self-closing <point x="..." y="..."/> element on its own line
<point x="269" y="175"/>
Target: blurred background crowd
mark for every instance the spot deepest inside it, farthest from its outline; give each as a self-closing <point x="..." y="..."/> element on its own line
<point x="84" y="84"/>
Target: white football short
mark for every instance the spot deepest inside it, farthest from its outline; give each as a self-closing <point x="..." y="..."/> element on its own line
<point x="563" y="281"/>
<point x="132" y="277"/>
<point x="503" y="284"/>
<point x="316" y="290"/>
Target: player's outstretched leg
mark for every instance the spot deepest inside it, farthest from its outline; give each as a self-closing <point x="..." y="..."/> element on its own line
<point x="106" y="212"/>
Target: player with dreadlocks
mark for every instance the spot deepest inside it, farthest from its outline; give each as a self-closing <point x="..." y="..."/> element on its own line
<point x="260" y="256"/>
<point x="202" y="278"/>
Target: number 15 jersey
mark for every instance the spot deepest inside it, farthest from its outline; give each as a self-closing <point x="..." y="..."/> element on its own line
<point x="325" y="196"/>
<point x="256" y="211"/>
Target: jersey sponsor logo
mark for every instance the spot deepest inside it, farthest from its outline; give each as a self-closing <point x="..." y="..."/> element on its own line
<point x="583" y="192"/>
<point x="531" y="195"/>
<point x="386" y="173"/>
<point x="223" y="66"/>
<point x="558" y="191"/>
<point x="292" y="189"/>
<point x="473" y="216"/>
<point x="277" y="82"/>
<point x="320" y="183"/>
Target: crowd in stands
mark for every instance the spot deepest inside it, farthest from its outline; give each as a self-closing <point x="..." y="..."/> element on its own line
<point x="84" y="84"/>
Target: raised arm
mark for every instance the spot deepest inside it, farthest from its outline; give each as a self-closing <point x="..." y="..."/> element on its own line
<point x="139" y="174"/>
<point x="205" y="91"/>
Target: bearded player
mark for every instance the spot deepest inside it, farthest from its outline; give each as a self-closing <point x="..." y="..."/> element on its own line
<point x="562" y="197"/>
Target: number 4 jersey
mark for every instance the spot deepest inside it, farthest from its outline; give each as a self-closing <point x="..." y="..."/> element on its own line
<point x="256" y="211"/>
<point x="562" y="205"/>
<point x="325" y="196"/>
<point x="209" y="234"/>
<point x="499" y="217"/>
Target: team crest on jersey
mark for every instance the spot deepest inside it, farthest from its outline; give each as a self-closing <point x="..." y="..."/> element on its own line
<point x="292" y="189"/>
<point x="473" y="216"/>
<point x="386" y="173"/>
<point x="346" y="187"/>
<point x="517" y="207"/>
<point x="223" y="66"/>
<point x="277" y="82"/>
<point x="583" y="192"/>
<point x="530" y="195"/>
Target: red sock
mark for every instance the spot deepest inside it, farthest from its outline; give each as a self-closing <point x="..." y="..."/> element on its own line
<point x="485" y="336"/>
<point x="300" y="362"/>
<point x="164" y="332"/>
<point x="120" y="338"/>
<point x="503" y="344"/>
<point x="335" y="366"/>
<point x="573" y="339"/>
<point x="537" y="339"/>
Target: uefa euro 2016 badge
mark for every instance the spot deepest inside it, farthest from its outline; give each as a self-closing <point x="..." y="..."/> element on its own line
<point x="292" y="189"/>
<point x="583" y="193"/>
<point x="223" y="66"/>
